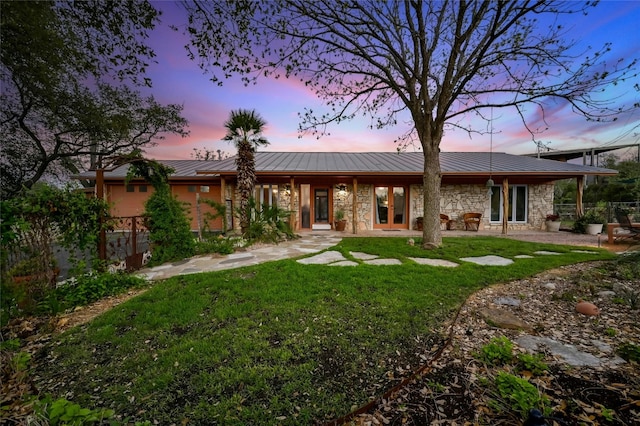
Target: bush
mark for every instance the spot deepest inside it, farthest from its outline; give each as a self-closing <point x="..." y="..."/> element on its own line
<point x="216" y="244"/>
<point x="90" y="287"/>
<point x="268" y="224"/>
<point x="169" y="227"/>
<point x="497" y="352"/>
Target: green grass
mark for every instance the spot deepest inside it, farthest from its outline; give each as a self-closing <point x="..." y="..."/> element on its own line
<point x="281" y="342"/>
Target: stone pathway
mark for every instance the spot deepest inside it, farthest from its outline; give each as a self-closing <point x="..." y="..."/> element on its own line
<point x="310" y="243"/>
<point x="335" y="258"/>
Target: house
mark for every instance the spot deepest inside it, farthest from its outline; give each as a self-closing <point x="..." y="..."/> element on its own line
<point x="376" y="190"/>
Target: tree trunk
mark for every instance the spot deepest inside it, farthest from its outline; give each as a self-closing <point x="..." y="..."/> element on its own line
<point x="431" y="235"/>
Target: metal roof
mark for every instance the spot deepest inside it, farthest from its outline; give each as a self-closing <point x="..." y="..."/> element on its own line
<point x="571" y="154"/>
<point x="372" y="163"/>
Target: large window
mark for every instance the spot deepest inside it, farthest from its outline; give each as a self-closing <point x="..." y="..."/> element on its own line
<point x="518" y="201"/>
<point x="267" y="194"/>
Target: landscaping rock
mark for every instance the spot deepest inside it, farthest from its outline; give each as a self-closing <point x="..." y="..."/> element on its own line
<point x="503" y="319"/>
<point x="569" y="353"/>
<point x="509" y="301"/>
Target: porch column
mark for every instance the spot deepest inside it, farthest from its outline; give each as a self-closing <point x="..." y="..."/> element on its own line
<point x="579" y="192"/>
<point x="505" y="205"/>
<point x="354" y="207"/>
<point x="102" y="237"/>
<point x="292" y="204"/>
<point x="223" y="201"/>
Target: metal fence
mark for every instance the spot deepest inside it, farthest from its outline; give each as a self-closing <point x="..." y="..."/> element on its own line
<point x="568" y="211"/>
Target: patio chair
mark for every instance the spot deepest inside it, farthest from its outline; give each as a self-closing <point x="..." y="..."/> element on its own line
<point x="471" y="221"/>
<point x="445" y="221"/>
<point x="625" y="223"/>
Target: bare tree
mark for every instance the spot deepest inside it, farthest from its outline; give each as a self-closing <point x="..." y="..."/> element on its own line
<point x="433" y="60"/>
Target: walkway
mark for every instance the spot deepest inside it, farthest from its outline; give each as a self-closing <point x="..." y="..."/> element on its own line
<point x="309" y="243"/>
<point x="317" y="241"/>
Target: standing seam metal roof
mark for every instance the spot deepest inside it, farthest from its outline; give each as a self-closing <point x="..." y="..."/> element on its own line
<point x="410" y="163"/>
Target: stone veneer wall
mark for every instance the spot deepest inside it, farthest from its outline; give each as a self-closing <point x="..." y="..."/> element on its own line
<point x="455" y="200"/>
<point x="364" y="201"/>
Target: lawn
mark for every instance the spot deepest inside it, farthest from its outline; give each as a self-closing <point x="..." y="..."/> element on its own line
<point x="281" y="342"/>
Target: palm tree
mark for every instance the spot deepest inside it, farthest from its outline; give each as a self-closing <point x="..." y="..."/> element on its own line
<point x="245" y="128"/>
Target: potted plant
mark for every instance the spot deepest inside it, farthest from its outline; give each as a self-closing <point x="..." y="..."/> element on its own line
<point x="339" y="222"/>
<point x="552" y="223"/>
<point x="590" y="223"/>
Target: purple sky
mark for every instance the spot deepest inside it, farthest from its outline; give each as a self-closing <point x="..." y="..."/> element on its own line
<point x="176" y="79"/>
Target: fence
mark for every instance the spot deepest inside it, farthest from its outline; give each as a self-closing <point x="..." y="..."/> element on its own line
<point x="568" y="211"/>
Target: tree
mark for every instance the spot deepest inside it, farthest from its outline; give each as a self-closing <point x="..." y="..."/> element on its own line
<point x="65" y="103"/>
<point x="245" y="128"/>
<point x="433" y="60"/>
<point x="165" y="216"/>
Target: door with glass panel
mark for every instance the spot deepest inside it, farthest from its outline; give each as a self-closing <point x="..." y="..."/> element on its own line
<point x="390" y="207"/>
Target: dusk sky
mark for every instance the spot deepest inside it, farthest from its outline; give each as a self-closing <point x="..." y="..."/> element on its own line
<point x="178" y="80"/>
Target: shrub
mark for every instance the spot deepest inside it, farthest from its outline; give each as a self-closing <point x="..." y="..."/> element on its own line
<point x="518" y="393"/>
<point x="532" y="363"/>
<point x="88" y="288"/>
<point x="268" y="223"/>
<point x="497" y="352"/>
<point x="169" y="227"/>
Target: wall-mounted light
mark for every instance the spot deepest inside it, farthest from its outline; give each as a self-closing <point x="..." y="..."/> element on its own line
<point x="287" y="189"/>
<point x="341" y="187"/>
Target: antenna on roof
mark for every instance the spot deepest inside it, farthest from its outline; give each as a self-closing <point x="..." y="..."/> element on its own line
<point x="490" y="182"/>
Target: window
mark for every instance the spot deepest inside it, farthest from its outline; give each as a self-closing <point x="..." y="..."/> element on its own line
<point x="267" y="194"/>
<point x="204" y="188"/>
<point x="142" y="188"/>
<point x="191" y="188"/>
<point x="131" y="188"/>
<point x="518" y="201"/>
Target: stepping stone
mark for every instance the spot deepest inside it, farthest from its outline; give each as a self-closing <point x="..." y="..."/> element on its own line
<point x="383" y="262"/>
<point x="434" y="262"/>
<point x="568" y="353"/>
<point x="490" y="260"/>
<point x="362" y="256"/>
<point x="508" y="301"/>
<point x="323" y="258"/>
<point x="547" y="253"/>
<point x="583" y="251"/>
<point x="523" y="256"/>
<point x="344" y="263"/>
<point x="504" y="319"/>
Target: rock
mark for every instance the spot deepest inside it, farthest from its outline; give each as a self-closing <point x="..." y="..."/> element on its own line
<point x="509" y="301"/>
<point x="550" y="286"/>
<point x="504" y="319"/>
<point x="606" y="293"/>
<point x="587" y="308"/>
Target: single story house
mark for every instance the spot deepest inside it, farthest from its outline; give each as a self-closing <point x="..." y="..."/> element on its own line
<point x="375" y="190"/>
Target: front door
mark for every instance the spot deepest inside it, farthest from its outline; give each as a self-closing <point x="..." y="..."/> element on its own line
<point x="321" y="205"/>
<point x="390" y="207"/>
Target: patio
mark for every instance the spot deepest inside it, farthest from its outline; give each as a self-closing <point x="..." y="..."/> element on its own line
<point x="562" y="237"/>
